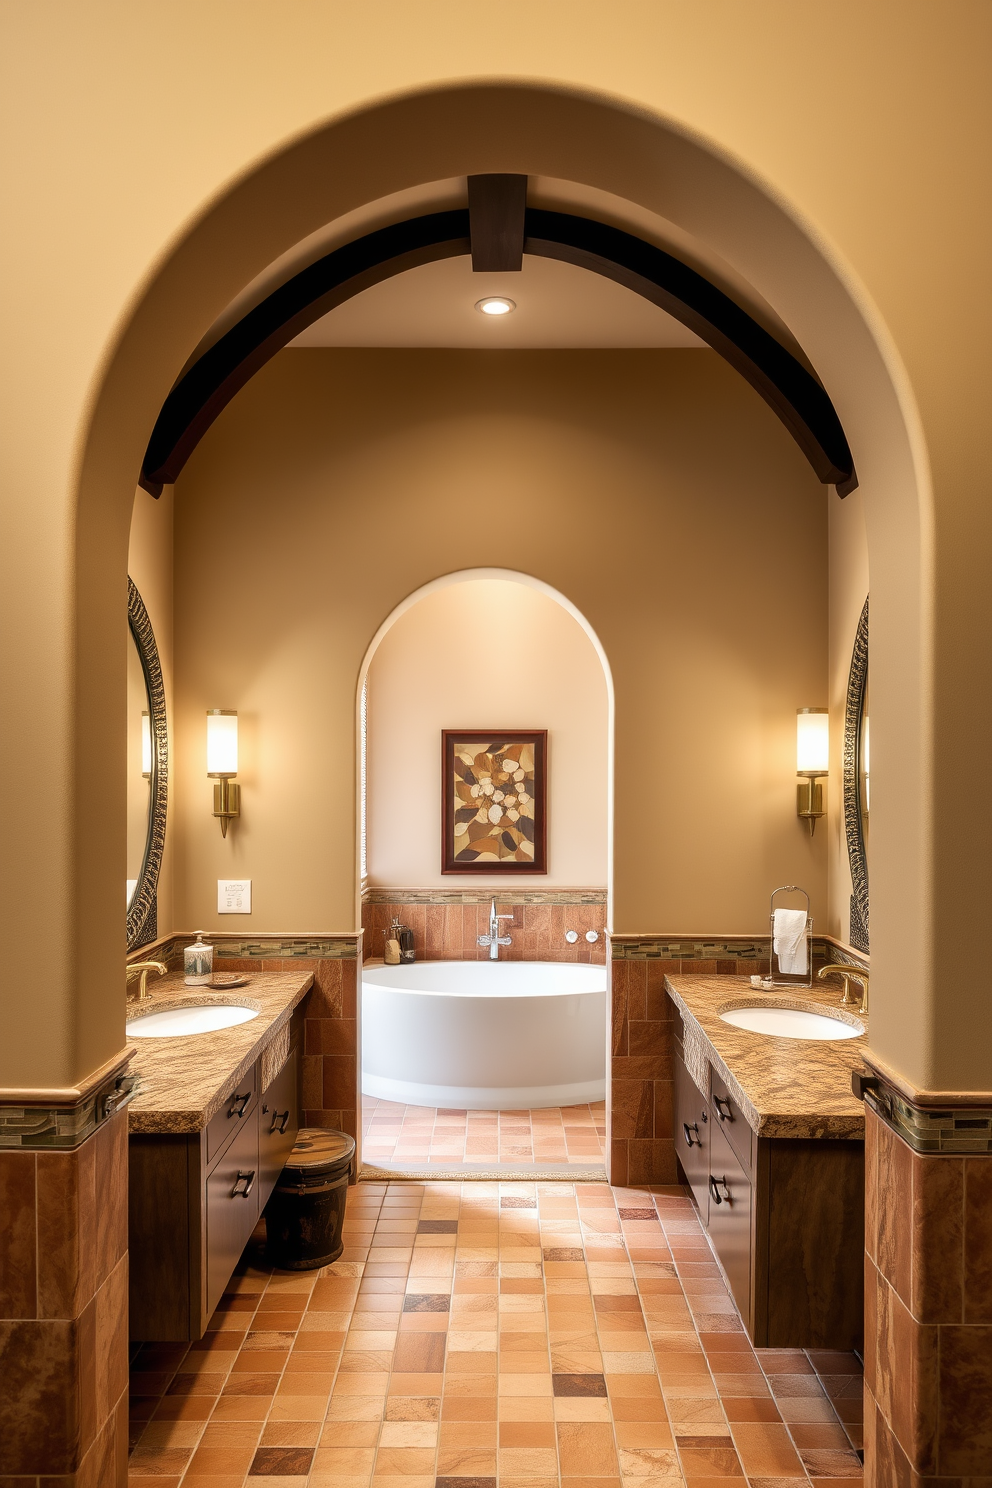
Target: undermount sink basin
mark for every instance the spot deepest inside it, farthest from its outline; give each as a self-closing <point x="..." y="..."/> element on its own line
<point x="793" y="1023"/>
<point x="182" y="1021"/>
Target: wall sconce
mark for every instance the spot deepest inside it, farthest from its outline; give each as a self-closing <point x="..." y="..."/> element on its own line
<point x="222" y="763"/>
<point x="146" y="746"/>
<point x="812" y="760"/>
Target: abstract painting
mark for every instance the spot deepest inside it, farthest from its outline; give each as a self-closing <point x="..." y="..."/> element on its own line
<point x="494" y="801"/>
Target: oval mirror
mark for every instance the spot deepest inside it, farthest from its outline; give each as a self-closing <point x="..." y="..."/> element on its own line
<point x="857" y="783"/>
<point x="147" y="773"/>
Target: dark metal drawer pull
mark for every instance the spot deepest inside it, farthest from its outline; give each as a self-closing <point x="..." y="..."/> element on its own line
<point x="279" y="1120"/>
<point x="690" y="1140"/>
<point x="248" y="1179"/>
<point x="725" y="1115"/>
<point x="715" y="1185"/>
<point x="238" y="1105"/>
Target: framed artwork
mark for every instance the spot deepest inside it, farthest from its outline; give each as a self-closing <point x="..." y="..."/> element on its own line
<point x="494" y="816"/>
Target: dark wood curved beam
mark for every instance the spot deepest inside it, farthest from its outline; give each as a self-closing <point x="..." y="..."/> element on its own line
<point x="787" y="387"/>
<point x="224" y="368"/>
<point x="783" y="382"/>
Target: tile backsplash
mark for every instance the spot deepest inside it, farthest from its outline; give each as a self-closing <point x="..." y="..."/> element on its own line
<point x="447" y="923"/>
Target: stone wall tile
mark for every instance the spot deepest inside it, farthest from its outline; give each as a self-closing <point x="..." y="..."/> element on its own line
<point x="18" y="1235"/>
<point x="894" y="1186"/>
<point x="965" y="1441"/>
<point x="937" y="1239"/>
<point x="978" y="1240"/>
<point x="651" y="1161"/>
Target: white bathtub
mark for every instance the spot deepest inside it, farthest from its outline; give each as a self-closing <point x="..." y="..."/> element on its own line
<point x="484" y="1035"/>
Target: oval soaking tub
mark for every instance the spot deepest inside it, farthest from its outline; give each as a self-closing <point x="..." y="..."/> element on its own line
<point x="484" y="1035"/>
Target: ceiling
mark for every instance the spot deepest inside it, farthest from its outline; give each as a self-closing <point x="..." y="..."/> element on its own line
<point x="558" y="305"/>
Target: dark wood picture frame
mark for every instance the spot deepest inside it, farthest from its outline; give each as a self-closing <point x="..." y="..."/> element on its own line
<point x="538" y="740"/>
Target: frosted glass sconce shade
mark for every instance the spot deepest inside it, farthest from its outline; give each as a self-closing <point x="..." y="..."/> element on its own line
<point x="222" y="741"/>
<point x="222" y="763"/>
<point x="812" y="741"/>
<point x="812" y="759"/>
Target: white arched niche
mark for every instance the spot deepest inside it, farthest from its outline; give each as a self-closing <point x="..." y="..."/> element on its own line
<point x="483" y="648"/>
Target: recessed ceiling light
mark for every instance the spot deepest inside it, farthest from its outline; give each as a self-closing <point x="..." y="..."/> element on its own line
<point x="495" y="305"/>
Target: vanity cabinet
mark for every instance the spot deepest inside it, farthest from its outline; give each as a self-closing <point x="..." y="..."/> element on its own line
<point x="196" y="1197"/>
<point x="785" y="1216"/>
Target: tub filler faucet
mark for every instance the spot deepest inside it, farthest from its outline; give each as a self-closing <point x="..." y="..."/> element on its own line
<point x="494" y="940"/>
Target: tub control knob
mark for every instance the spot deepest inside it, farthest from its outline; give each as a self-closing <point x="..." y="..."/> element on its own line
<point x="592" y="936"/>
<point x="571" y="936"/>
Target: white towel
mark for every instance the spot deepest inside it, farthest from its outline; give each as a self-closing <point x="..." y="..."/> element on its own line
<point x="789" y="941"/>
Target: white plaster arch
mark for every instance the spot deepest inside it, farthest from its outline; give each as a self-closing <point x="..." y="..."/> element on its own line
<point x="506" y="576"/>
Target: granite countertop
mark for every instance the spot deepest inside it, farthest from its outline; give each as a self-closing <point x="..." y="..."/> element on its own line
<point x="185" y="1081"/>
<point x="784" y="1087"/>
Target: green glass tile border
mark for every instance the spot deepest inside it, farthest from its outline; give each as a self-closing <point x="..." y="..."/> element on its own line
<point x="960" y="1132"/>
<point x="672" y="948"/>
<point x="59" y="1128"/>
<point x="507" y="895"/>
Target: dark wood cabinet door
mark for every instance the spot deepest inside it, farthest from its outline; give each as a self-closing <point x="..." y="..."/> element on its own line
<point x="731" y="1201"/>
<point x="692" y="1137"/>
<point x="277" y="1127"/>
<point x="232" y="1208"/>
<point x="237" y="1112"/>
<point x="731" y="1120"/>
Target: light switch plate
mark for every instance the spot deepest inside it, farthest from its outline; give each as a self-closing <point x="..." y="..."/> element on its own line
<point x="234" y="896"/>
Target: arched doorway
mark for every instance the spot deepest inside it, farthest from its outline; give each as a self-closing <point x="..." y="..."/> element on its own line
<point x="475" y="648"/>
<point x="584" y="140"/>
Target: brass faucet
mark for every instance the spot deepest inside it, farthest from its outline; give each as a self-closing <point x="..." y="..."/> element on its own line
<point x="850" y="974"/>
<point x="144" y="967"/>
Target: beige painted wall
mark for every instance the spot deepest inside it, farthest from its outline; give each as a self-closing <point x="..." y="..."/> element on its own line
<point x="861" y="224"/>
<point x="476" y="655"/>
<point x="660" y="496"/>
<point x="848" y="568"/>
<point x="149" y="563"/>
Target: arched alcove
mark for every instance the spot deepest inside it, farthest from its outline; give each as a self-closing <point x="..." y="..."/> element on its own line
<point x="464" y="663"/>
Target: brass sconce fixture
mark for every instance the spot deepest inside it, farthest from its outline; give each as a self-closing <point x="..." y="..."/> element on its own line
<point x="812" y="761"/>
<point x="222" y="763"/>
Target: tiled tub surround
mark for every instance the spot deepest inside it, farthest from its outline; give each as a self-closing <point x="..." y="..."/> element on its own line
<point x="186" y="1081"/>
<point x="529" y="1335"/>
<point x="928" y="1291"/>
<point x="447" y="923"/>
<point x="63" y="1311"/>
<point x="330" y="1088"/>
<point x="641" y="1145"/>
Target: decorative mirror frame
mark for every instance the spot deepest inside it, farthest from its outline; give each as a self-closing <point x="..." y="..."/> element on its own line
<point x="853" y="820"/>
<point x="142" y="912"/>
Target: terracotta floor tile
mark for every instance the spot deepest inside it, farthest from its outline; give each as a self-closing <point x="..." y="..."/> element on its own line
<point x="484" y="1331"/>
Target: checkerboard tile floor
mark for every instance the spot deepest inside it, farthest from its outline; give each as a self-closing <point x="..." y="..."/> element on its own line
<point x="511" y="1335"/>
<point x="423" y="1134"/>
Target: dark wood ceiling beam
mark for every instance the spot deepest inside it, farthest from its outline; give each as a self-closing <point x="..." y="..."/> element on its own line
<point x="789" y="389"/>
<point x="496" y="207"/>
<point x="794" y="394"/>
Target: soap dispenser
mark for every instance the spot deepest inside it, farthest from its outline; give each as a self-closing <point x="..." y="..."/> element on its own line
<point x="391" y="949"/>
<point x="198" y="962"/>
<point x="407" y="953"/>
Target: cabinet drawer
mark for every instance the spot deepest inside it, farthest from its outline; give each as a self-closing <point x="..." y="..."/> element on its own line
<point x="731" y="1201"/>
<point x="731" y="1120"/>
<point x="278" y="1124"/>
<point x="692" y="1137"/>
<point x="232" y="1209"/>
<point x="233" y="1115"/>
